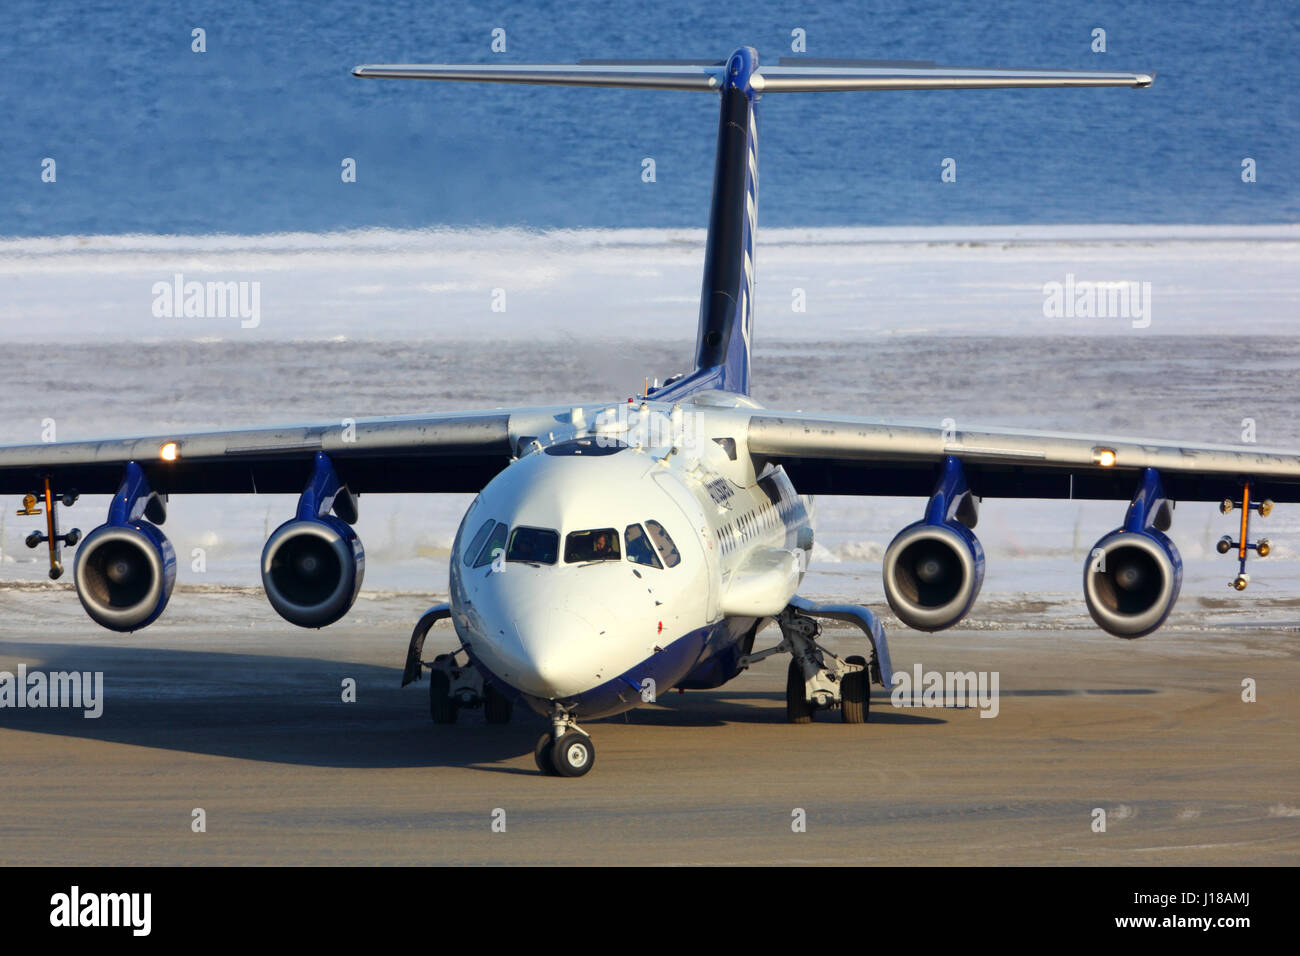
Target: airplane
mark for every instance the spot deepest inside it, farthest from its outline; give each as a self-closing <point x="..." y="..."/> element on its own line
<point x="617" y="550"/>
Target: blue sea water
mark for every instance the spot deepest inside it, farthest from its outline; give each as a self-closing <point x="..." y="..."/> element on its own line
<point x="248" y="137"/>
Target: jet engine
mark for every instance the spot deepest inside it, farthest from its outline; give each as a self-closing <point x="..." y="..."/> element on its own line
<point x="1132" y="577"/>
<point x="934" y="569"/>
<point x="312" y="570"/>
<point x="933" y="573"/>
<point x="1131" y="581"/>
<point x="126" y="567"/>
<point x="313" y="564"/>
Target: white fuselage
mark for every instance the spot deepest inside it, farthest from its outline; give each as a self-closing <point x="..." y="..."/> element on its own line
<point x="624" y="550"/>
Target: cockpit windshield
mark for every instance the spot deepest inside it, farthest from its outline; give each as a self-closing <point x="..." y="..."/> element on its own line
<point x="648" y="545"/>
<point x="476" y="544"/>
<point x="534" y="545"/>
<point x="639" y="550"/>
<point x="599" y="544"/>
<point x="659" y="535"/>
<point x="495" y="542"/>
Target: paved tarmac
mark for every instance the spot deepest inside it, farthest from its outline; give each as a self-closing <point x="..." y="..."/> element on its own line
<point x="246" y="721"/>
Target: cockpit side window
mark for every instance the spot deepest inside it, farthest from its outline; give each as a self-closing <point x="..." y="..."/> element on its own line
<point x="664" y="543"/>
<point x="473" y="547"/>
<point x="534" y="545"/>
<point x="639" y="550"/>
<point x="495" y="542"/>
<point x="599" y="544"/>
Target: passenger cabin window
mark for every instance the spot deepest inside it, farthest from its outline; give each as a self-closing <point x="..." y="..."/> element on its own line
<point x="664" y="543"/>
<point x="599" y="544"/>
<point x="476" y="543"/>
<point x="639" y="549"/>
<point x="495" y="542"/>
<point x="534" y="546"/>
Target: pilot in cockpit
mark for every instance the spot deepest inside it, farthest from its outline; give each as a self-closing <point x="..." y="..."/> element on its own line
<point x="601" y="549"/>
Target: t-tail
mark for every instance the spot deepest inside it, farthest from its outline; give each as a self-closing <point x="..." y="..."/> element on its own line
<point x="725" y="336"/>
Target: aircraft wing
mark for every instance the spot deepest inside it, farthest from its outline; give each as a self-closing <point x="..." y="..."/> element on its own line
<point x="831" y="455"/>
<point x="453" y="452"/>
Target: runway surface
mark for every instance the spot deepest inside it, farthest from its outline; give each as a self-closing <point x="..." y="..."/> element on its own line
<point x="246" y="722"/>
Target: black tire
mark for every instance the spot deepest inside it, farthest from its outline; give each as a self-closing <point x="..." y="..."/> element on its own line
<point x="496" y="705"/>
<point x="798" y="709"/>
<point x="441" y="707"/>
<point x="573" y="754"/>
<point x="855" y="693"/>
<point x="542" y="755"/>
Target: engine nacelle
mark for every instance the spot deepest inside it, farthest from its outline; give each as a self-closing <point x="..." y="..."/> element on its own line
<point x="1131" y="581"/>
<point x="312" y="570"/>
<point x="124" y="574"/>
<point x="933" y="573"/>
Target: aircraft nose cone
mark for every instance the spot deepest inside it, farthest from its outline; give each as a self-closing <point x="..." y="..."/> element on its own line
<point x="560" y="653"/>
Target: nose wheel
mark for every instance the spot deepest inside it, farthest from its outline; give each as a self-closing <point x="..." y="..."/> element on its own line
<point x="565" y="751"/>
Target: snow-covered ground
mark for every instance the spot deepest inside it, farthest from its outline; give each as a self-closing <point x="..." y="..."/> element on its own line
<point x="644" y="283"/>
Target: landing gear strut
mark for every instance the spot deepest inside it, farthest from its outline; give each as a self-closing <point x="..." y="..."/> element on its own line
<point x="816" y="679"/>
<point x="567" y="750"/>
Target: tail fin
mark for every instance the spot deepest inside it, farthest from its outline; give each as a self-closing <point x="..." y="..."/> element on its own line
<point x="725" y="334"/>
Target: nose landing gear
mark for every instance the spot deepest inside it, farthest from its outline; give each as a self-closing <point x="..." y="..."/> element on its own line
<point x="567" y="750"/>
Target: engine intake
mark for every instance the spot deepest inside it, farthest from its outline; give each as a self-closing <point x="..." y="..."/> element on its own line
<point x="1131" y="581"/>
<point x="312" y="570"/>
<point x="124" y="575"/>
<point x="1132" y="576"/>
<point x="933" y="573"/>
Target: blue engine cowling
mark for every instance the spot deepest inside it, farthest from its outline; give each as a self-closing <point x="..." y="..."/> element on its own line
<point x="1131" y="581"/>
<point x="124" y="573"/>
<point x="933" y="572"/>
<point x="312" y="570"/>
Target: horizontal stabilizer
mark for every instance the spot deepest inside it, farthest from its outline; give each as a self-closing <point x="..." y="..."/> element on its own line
<point x="852" y="61"/>
<point x="792" y="76"/>
<point x="628" y="75"/>
<point x="633" y="61"/>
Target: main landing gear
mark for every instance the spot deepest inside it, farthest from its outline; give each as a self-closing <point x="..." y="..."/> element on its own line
<point x="566" y="750"/>
<point x="454" y="687"/>
<point x="816" y="679"/>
